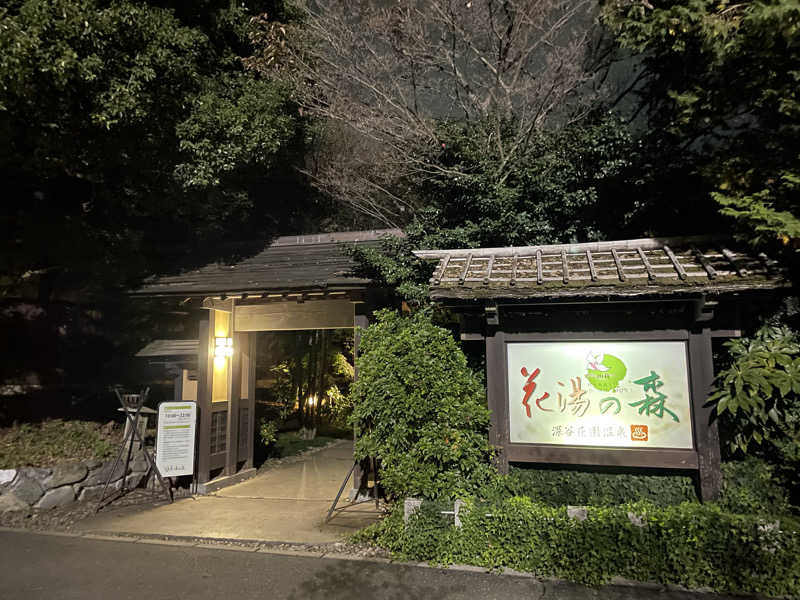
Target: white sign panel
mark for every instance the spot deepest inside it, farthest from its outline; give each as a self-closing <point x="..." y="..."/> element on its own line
<point x="175" y="438"/>
<point x="613" y="394"/>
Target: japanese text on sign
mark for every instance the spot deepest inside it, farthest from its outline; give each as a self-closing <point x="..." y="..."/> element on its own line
<point x="175" y="438"/>
<point x="619" y="394"/>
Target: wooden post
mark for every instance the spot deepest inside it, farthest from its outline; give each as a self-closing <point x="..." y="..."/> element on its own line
<point x="234" y="393"/>
<point x="496" y="395"/>
<point x="360" y="474"/>
<point x="706" y="433"/>
<point x="205" y="371"/>
<point x="249" y="390"/>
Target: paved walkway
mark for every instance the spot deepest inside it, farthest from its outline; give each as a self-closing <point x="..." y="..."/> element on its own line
<point x="287" y="503"/>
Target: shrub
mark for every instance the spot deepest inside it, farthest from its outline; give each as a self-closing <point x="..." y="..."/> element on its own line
<point x="419" y="409"/>
<point x="749" y="487"/>
<point x="50" y="442"/>
<point x="689" y="544"/>
<point x="267" y="431"/>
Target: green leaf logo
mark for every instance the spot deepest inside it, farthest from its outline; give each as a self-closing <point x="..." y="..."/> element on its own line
<point x="604" y="371"/>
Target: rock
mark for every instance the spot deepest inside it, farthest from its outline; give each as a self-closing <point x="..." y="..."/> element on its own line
<point x="10" y="503"/>
<point x="101" y="475"/>
<point x="139" y="463"/>
<point x="35" y="472"/>
<point x="56" y="498"/>
<point x="92" y="463"/>
<point x="581" y="513"/>
<point x="411" y="506"/>
<point x="133" y="480"/>
<point x="66" y="473"/>
<point x="637" y="520"/>
<point x="7" y="476"/>
<point x="93" y="493"/>
<point x="26" y="488"/>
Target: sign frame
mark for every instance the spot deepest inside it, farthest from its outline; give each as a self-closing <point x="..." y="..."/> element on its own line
<point x="533" y="357"/>
<point x="700" y="377"/>
<point x="192" y="447"/>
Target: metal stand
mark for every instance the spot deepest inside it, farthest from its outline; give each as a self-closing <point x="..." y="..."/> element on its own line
<point x="375" y="494"/>
<point x="131" y="402"/>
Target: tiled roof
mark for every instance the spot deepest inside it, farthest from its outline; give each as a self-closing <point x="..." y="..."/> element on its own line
<point x="295" y="262"/>
<point x="616" y="268"/>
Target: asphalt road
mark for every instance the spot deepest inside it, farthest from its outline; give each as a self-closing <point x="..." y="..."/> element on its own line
<point x="59" y="567"/>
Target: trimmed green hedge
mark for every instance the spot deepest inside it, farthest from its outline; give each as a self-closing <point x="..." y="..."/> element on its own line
<point x="749" y="486"/>
<point x="689" y="544"/>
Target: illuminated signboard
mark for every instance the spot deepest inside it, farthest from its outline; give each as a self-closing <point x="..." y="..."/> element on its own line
<point x="612" y="394"/>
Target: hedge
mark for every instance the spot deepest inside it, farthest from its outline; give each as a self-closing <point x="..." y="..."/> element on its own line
<point x="749" y="487"/>
<point x="689" y="544"/>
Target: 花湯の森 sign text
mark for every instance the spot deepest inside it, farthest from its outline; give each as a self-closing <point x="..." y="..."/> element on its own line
<point x="616" y="394"/>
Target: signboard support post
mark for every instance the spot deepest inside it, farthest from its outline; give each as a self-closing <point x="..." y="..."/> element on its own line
<point x="709" y="476"/>
<point x="498" y="426"/>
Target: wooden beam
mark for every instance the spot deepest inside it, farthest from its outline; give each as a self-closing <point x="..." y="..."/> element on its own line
<point x="564" y="267"/>
<point x="214" y="304"/>
<point x="314" y="314"/>
<point x="650" y="274"/>
<point x="592" y="270"/>
<point x="513" y="270"/>
<point x="539" y="277"/>
<point x="618" y="262"/>
<point x="732" y="260"/>
<point x="675" y="262"/>
<point x="712" y="274"/>
<point x="442" y="268"/>
<point x="489" y="271"/>
<point x="463" y="275"/>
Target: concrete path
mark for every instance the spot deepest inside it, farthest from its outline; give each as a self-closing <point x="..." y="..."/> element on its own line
<point x="287" y="503"/>
<point x="47" y="567"/>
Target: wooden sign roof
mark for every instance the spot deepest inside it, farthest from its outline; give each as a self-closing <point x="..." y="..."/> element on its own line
<point x="289" y="263"/>
<point x="626" y="268"/>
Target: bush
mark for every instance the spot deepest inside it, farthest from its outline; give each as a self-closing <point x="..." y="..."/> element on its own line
<point x="749" y="487"/>
<point x="689" y="544"/>
<point x="50" y="442"/>
<point x="419" y="409"/>
<point x="267" y="431"/>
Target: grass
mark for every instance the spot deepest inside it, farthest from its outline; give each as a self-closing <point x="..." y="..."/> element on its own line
<point x="50" y="442"/>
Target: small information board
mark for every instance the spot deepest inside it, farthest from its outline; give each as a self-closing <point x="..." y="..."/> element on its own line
<point x="177" y="424"/>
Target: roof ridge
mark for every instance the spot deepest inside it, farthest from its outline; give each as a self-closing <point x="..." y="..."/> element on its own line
<point x="604" y="246"/>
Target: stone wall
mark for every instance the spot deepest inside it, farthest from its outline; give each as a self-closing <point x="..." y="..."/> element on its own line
<point x="66" y="483"/>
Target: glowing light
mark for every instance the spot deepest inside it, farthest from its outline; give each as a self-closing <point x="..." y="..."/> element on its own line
<point x="223" y="347"/>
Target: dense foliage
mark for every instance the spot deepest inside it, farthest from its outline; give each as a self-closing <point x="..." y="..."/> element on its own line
<point x="689" y="544"/>
<point x="578" y="183"/>
<point x="720" y="81"/>
<point x="749" y="486"/>
<point x="132" y="141"/>
<point x="124" y="123"/>
<point x="757" y="397"/>
<point x="419" y="409"/>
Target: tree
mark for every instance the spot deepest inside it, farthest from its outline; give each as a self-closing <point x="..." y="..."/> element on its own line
<point x="123" y="124"/>
<point x="132" y="141"/>
<point x="419" y="409"/>
<point x="390" y="82"/>
<point x="582" y="182"/>
<point x="720" y="82"/>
